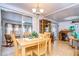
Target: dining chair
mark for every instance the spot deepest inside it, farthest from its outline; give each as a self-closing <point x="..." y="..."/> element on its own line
<point x="18" y="48"/>
<point x="9" y="41"/>
<point x="26" y="34"/>
<point x="40" y="35"/>
<point x="41" y="47"/>
<point x="48" y="34"/>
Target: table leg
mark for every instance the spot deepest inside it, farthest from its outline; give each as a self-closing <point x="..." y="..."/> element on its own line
<point x="49" y="47"/>
<point x="23" y="51"/>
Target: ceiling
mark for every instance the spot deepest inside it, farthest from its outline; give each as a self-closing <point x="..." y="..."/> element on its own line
<point x="62" y="15"/>
<point x="50" y="8"/>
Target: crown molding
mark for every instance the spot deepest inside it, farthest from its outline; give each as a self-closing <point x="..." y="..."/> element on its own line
<point x="59" y="10"/>
<point x="11" y="8"/>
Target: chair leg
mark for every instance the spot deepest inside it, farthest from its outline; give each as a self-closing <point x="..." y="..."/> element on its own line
<point x="31" y="53"/>
<point x="46" y="53"/>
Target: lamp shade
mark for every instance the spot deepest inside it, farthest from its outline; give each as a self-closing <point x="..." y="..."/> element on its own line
<point x="33" y="10"/>
<point x="41" y="10"/>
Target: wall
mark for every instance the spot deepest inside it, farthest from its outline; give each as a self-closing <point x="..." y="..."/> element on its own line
<point x="0" y="32"/>
<point x="15" y="17"/>
<point x="64" y="25"/>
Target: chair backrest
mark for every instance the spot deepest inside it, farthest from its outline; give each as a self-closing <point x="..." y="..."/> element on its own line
<point x="26" y="34"/>
<point x="40" y="35"/>
<point x="14" y="40"/>
<point x="42" y="45"/>
<point x="7" y="37"/>
<point x="47" y="34"/>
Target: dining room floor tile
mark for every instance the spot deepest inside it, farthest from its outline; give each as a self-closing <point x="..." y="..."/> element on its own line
<point x="62" y="49"/>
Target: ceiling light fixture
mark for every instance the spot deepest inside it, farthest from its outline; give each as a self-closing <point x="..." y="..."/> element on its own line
<point x="37" y="10"/>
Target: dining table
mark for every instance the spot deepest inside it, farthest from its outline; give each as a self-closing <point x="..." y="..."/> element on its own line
<point x="26" y="42"/>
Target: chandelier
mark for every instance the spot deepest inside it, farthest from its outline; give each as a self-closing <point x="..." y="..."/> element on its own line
<point x="37" y="10"/>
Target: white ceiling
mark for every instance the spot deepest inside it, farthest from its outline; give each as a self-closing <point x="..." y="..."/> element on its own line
<point x="50" y="8"/>
<point x="60" y="16"/>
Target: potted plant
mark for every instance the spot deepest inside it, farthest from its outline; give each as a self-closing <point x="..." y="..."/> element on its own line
<point x="33" y="35"/>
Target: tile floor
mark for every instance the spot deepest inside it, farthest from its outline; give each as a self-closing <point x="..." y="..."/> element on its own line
<point x="60" y="49"/>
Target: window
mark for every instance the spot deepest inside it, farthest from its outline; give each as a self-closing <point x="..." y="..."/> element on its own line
<point x="15" y="23"/>
<point x="9" y="28"/>
<point x="27" y="24"/>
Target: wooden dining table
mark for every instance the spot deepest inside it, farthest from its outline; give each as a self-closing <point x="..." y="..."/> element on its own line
<point x="26" y="42"/>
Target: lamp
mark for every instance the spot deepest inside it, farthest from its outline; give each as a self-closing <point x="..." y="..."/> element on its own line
<point x="37" y="10"/>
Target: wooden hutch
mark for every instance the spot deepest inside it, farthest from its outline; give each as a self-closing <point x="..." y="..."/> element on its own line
<point x="45" y="26"/>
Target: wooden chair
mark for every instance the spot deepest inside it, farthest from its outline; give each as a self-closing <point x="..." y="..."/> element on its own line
<point x="40" y="35"/>
<point x="9" y="41"/>
<point x="26" y="34"/>
<point x="41" y="47"/>
<point x="18" y="48"/>
<point x="48" y="34"/>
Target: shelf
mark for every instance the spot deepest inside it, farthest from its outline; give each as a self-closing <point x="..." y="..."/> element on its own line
<point x="44" y="24"/>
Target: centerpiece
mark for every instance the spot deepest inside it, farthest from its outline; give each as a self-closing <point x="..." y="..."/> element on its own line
<point x="33" y="35"/>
